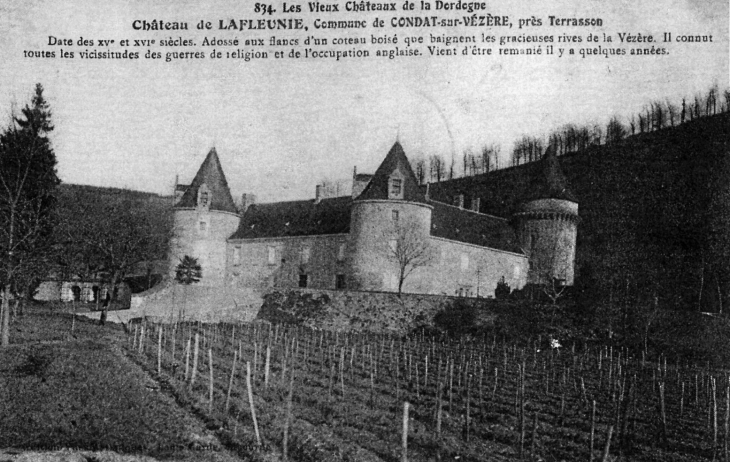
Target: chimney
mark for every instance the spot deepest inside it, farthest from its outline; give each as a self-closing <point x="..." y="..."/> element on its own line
<point x="359" y="183"/>
<point x="318" y="194"/>
<point x="247" y="200"/>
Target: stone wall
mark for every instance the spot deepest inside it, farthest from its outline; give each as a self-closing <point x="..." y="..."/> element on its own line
<point x="353" y="310"/>
<point x="169" y="302"/>
<point x="319" y="258"/>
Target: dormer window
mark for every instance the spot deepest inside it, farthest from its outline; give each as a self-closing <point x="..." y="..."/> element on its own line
<point x="204" y="196"/>
<point x="395" y="185"/>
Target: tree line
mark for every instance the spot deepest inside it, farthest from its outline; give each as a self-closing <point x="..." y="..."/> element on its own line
<point x="570" y="138"/>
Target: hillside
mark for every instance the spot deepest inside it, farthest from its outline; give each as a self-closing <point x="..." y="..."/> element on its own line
<point x="108" y="216"/>
<point x="654" y="208"/>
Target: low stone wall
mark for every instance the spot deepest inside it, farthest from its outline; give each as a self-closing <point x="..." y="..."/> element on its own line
<point x="169" y="302"/>
<point x="354" y="311"/>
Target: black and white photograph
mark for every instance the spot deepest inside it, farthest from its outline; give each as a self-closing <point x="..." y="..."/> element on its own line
<point x="339" y="230"/>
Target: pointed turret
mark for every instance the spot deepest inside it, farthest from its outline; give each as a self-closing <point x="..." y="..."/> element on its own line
<point x="211" y="175"/>
<point x="204" y="218"/>
<point x="391" y="201"/>
<point x="550" y="182"/>
<point x="394" y="179"/>
<point x="547" y="224"/>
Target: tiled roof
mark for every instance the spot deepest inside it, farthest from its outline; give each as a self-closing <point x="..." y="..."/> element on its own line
<point x="378" y="186"/>
<point x="332" y="216"/>
<point x="296" y="218"/>
<point x="450" y="222"/>
<point x="210" y="173"/>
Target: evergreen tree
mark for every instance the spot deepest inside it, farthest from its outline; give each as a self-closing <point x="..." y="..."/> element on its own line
<point x="187" y="272"/>
<point x="27" y="183"/>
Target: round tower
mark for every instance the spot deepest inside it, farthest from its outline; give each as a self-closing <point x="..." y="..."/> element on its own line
<point x="390" y="212"/>
<point x="204" y="218"/>
<point x="547" y="225"/>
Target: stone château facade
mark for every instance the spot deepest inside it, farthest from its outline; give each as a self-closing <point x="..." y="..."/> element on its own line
<point x="387" y="234"/>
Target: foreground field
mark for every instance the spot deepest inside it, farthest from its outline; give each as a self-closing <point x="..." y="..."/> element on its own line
<point x="67" y="384"/>
<point x="341" y="397"/>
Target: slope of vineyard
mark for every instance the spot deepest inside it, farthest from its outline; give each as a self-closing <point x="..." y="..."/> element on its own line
<point x="315" y="395"/>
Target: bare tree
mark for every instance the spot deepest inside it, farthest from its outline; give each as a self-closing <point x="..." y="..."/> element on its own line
<point x="466" y="162"/>
<point x="437" y="167"/>
<point x="671" y="113"/>
<point x="407" y="248"/>
<point x="490" y="154"/>
<point x="596" y="135"/>
<point x="615" y="131"/>
<point x="418" y="164"/>
<point x="555" y="141"/>
<point x="711" y="101"/>
<point x="658" y="115"/>
<point x="527" y="149"/>
<point x="113" y="233"/>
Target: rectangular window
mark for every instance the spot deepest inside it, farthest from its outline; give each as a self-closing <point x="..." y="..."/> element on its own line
<point x="341" y="253"/>
<point x="396" y="189"/>
<point x="87" y="294"/>
<point x="305" y="253"/>
<point x="302" y="280"/>
<point x="66" y="294"/>
<point x="272" y="255"/>
<point x="237" y="255"/>
<point x="203" y="226"/>
<point x="340" y="281"/>
<point x="395" y="216"/>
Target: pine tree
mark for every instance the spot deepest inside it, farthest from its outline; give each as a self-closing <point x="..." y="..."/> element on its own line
<point x="27" y="183"/>
<point x="187" y="272"/>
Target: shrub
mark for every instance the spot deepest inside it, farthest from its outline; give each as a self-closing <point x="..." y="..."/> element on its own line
<point x="503" y="290"/>
<point x="457" y="319"/>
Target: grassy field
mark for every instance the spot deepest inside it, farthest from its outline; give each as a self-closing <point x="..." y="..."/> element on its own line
<point x="64" y="388"/>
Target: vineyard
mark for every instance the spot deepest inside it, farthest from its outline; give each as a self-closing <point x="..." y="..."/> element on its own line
<point x="283" y="392"/>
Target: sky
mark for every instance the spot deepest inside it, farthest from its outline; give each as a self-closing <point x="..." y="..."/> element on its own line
<point x="282" y="125"/>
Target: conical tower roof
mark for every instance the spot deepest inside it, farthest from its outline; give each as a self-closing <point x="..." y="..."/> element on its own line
<point x="549" y="181"/>
<point x="378" y="186"/>
<point x="210" y="173"/>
